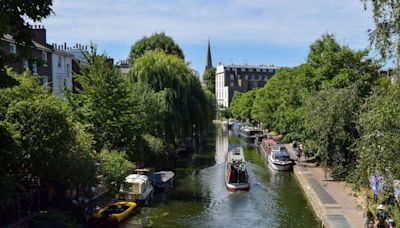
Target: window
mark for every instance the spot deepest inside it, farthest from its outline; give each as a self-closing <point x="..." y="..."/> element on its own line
<point x="44" y="58"/>
<point x="243" y="69"/>
<point x="251" y="70"/>
<point x="68" y="71"/>
<point x="59" y="61"/>
<point x="257" y="70"/>
<point x="34" y="69"/>
<point x="264" y="70"/>
<point x="238" y="77"/>
<point x="45" y="80"/>
<point x="232" y="84"/>
<point x="232" y="77"/>
<point x="25" y="64"/>
<point x="13" y="49"/>
<point x="270" y="70"/>
<point x="246" y="77"/>
<point x="65" y="83"/>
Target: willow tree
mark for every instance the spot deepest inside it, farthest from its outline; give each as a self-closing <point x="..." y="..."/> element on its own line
<point x="184" y="96"/>
<point x="157" y="41"/>
<point x="385" y="37"/>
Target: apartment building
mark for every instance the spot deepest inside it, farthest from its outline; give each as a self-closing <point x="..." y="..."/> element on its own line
<point x="231" y="79"/>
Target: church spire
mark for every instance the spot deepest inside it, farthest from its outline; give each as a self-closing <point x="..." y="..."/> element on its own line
<point x="208" y="61"/>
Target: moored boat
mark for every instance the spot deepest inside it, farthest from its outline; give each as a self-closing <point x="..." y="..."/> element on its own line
<point x="236" y="177"/>
<point x="162" y="180"/>
<point x="279" y="158"/>
<point x="115" y="212"/>
<point x="137" y="188"/>
<point x="249" y="133"/>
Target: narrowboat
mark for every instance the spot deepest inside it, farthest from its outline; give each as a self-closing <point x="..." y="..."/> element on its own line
<point x="249" y="133"/>
<point x="236" y="177"/>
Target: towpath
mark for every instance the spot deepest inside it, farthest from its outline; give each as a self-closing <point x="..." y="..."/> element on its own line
<point x="332" y="201"/>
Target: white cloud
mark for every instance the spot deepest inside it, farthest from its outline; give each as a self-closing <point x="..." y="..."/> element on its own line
<point x="276" y="22"/>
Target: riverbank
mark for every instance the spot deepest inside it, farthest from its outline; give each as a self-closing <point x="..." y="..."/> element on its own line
<point x="331" y="200"/>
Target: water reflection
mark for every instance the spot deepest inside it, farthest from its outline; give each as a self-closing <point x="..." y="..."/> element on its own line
<point x="200" y="198"/>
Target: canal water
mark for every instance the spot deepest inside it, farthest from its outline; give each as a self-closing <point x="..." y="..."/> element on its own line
<point x="200" y="199"/>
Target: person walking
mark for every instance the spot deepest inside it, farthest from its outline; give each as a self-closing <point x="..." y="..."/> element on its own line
<point x="381" y="217"/>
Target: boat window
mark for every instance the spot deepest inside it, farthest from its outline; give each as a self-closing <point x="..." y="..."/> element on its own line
<point x="136" y="188"/>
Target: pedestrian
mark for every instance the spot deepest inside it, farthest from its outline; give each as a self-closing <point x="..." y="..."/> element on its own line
<point x="381" y="217"/>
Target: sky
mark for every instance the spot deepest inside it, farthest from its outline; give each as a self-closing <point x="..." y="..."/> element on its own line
<point x="254" y="32"/>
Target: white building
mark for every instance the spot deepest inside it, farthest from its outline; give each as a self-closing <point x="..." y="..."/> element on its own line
<point x="62" y="71"/>
<point x="231" y="79"/>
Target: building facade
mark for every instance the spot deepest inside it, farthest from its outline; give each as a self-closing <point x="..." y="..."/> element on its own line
<point x="39" y="61"/>
<point x="231" y="79"/>
<point x="62" y="71"/>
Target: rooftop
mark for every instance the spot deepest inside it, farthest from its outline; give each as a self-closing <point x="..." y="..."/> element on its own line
<point x="253" y="66"/>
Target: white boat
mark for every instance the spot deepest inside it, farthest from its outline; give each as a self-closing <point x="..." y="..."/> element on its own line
<point x="279" y="158"/>
<point x="249" y="133"/>
<point x="137" y="188"/>
<point x="236" y="177"/>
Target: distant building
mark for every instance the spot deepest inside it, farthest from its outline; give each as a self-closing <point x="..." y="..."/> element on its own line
<point x="123" y="66"/>
<point x="62" y="71"/>
<point x="40" y="61"/>
<point x="231" y="79"/>
<point x="390" y="73"/>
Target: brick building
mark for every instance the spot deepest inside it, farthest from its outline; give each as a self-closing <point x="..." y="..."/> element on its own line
<point x="231" y="79"/>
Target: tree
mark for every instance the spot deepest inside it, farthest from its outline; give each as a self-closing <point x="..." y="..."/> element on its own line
<point x="242" y="104"/>
<point x="186" y="103"/>
<point x="104" y="104"/>
<point x="13" y="20"/>
<point x="209" y="79"/>
<point x="114" y="166"/>
<point x="378" y="147"/>
<point x="385" y="37"/>
<point x="330" y="122"/>
<point x="157" y="41"/>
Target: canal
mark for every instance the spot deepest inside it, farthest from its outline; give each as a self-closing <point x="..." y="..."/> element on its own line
<point x="200" y="198"/>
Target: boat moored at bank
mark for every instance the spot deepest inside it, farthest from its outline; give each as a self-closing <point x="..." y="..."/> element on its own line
<point x="279" y="158"/>
<point x="249" y="133"/>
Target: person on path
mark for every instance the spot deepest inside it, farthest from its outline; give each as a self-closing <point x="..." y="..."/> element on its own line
<point x="381" y="218"/>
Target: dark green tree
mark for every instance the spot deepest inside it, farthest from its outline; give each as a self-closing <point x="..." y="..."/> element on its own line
<point x="242" y="104"/>
<point x="209" y="79"/>
<point x="157" y="41"/>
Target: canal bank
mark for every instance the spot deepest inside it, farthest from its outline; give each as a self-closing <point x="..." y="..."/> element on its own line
<point x="331" y="201"/>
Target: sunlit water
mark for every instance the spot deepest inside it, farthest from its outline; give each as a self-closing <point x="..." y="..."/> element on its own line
<point x="200" y="198"/>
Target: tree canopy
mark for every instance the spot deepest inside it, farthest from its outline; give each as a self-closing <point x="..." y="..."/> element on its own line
<point x="209" y="79"/>
<point x="157" y="41"/>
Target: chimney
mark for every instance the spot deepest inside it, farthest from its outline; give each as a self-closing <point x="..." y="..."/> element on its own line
<point x="65" y="45"/>
<point x="39" y="34"/>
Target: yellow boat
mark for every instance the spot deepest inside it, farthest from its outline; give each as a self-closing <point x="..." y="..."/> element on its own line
<point x="115" y="212"/>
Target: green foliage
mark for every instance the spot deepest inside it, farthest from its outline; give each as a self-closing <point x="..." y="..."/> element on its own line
<point x="157" y="41"/>
<point x="104" y="104"/>
<point x="242" y="104"/>
<point x="330" y="120"/>
<point x="187" y="106"/>
<point x="209" y="79"/>
<point x="114" y="166"/>
<point x="386" y="34"/>
<point x="378" y="147"/>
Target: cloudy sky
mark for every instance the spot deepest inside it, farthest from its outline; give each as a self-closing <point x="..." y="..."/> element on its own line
<point x="241" y="31"/>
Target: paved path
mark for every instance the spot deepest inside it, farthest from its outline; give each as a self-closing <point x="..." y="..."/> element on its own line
<point x="332" y="202"/>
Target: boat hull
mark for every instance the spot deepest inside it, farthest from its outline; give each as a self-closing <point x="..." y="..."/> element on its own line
<point x="281" y="167"/>
<point x="237" y="187"/>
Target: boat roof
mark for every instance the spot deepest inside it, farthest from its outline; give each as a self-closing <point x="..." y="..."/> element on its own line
<point x="136" y="178"/>
<point x="278" y="147"/>
<point x="251" y="129"/>
<point x="269" y="141"/>
<point x="236" y="154"/>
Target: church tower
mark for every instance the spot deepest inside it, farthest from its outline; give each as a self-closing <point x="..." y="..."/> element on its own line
<point x="208" y="60"/>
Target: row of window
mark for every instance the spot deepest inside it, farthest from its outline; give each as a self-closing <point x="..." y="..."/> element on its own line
<point x="252" y="70"/>
<point x="13" y="50"/>
<point x="248" y="77"/>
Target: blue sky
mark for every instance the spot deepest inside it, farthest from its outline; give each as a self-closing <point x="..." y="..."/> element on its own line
<point x="255" y="32"/>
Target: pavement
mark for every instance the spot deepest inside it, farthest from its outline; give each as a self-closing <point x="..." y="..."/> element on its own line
<point x="331" y="200"/>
